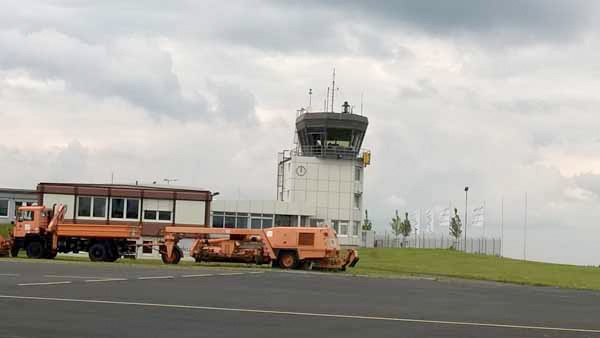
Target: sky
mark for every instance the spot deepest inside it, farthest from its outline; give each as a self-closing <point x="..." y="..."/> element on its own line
<point x="500" y="96"/>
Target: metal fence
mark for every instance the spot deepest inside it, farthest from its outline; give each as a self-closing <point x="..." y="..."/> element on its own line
<point x="481" y="245"/>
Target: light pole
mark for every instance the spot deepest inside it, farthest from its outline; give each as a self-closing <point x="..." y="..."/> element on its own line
<point x="466" y="213"/>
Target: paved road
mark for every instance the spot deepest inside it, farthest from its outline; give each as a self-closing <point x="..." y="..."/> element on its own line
<point x="59" y="299"/>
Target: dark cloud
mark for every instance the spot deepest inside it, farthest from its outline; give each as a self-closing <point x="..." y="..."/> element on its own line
<point x="512" y="21"/>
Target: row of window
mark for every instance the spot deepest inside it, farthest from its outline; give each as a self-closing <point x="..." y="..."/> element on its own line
<point x="120" y="208"/>
<point x="4" y="207"/>
<point x="342" y="228"/>
<point x="241" y="220"/>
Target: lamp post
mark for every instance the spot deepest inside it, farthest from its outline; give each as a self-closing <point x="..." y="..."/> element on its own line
<point x="466" y="213"/>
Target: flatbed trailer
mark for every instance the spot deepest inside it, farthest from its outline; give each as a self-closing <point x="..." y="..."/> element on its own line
<point x="42" y="233"/>
<point x="284" y="247"/>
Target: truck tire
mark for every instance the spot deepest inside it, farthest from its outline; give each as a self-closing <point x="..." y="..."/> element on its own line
<point x="50" y="255"/>
<point x="111" y="253"/>
<point x="97" y="252"/>
<point x="177" y="254"/>
<point x="288" y="260"/>
<point x="35" y="249"/>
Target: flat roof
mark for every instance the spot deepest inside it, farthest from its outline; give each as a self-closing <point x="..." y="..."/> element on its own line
<point x="126" y="190"/>
<point x="17" y="191"/>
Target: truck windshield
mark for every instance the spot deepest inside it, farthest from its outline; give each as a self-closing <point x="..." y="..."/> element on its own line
<point x="25" y="216"/>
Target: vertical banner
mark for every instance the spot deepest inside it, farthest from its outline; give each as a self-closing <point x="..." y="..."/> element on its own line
<point x="415" y="220"/>
<point x="444" y="219"/>
<point x="478" y="216"/>
<point x="428" y="221"/>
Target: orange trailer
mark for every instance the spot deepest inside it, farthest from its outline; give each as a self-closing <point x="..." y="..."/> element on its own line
<point x="43" y="234"/>
<point x="284" y="247"/>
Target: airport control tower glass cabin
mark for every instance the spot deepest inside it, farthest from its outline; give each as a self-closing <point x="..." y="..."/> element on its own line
<point x="326" y="169"/>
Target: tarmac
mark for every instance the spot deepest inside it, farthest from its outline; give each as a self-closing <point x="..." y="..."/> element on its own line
<point x="40" y="298"/>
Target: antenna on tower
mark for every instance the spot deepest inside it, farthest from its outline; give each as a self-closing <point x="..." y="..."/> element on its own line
<point x="309" y="99"/>
<point x="327" y="100"/>
<point x="361" y="103"/>
<point x="333" y="90"/>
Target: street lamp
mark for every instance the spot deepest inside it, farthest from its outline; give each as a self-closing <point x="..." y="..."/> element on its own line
<point x="466" y="213"/>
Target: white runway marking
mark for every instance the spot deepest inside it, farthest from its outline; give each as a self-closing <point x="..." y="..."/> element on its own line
<point x="74" y="277"/>
<point x="307" y="314"/>
<point x="201" y="275"/>
<point x="255" y="272"/>
<point x="231" y="274"/>
<point x="104" y="280"/>
<point x="9" y="274"/>
<point x="46" y="283"/>
<point x="156" y="277"/>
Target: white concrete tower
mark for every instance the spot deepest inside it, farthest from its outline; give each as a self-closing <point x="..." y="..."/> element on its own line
<point x="326" y="170"/>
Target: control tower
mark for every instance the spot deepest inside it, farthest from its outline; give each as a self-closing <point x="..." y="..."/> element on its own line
<point x="326" y="169"/>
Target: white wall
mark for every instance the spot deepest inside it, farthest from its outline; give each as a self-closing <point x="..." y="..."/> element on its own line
<point x="189" y="212"/>
<point x="330" y="185"/>
<point x="51" y="199"/>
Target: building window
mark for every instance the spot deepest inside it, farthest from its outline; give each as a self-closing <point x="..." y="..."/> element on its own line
<point x="84" y="207"/>
<point x="147" y="247"/>
<point x="91" y="207"/>
<point x="229" y="220"/>
<point x="241" y="221"/>
<point x="357" y="171"/>
<point x="3" y="208"/>
<point x="316" y="222"/>
<point x="127" y="208"/>
<point x="19" y="204"/>
<point x="256" y="223"/>
<point x="217" y="219"/>
<point x="157" y="215"/>
<point x="344" y="228"/>
<point x="336" y="226"/>
<point x="150" y="215"/>
<point x="99" y="207"/>
<point x="356" y="201"/>
<point x="164" y="216"/>
<point x="355" y="228"/>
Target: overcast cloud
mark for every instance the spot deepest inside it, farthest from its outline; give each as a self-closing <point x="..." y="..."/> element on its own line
<point x="497" y="95"/>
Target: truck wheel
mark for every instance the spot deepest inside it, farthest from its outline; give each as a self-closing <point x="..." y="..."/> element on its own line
<point x="35" y="250"/>
<point x="177" y="254"/>
<point x="97" y="252"/>
<point x="288" y="260"/>
<point x="50" y="254"/>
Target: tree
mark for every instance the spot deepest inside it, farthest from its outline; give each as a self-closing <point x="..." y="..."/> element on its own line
<point x="367" y="224"/>
<point x="396" y="225"/>
<point x="406" y="228"/>
<point x="455" y="226"/>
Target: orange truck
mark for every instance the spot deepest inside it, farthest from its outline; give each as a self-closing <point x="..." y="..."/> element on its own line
<point x="283" y="247"/>
<point x="42" y="233"/>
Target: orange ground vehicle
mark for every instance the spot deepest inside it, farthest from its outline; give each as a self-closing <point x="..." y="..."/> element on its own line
<point x="43" y="234"/>
<point x="5" y="246"/>
<point x="284" y="247"/>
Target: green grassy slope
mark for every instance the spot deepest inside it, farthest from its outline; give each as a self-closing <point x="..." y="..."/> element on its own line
<point x="447" y="263"/>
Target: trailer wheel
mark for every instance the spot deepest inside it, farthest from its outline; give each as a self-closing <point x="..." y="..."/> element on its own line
<point x="288" y="260"/>
<point x="177" y="254"/>
<point x="97" y="252"/>
<point x="35" y="250"/>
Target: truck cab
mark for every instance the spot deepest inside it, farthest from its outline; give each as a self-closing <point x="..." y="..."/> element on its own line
<point x="31" y="220"/>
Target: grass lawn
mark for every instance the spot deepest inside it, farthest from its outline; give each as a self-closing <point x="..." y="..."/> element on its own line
<point x="4" y="229"/>
<point x="448" y="263"/>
